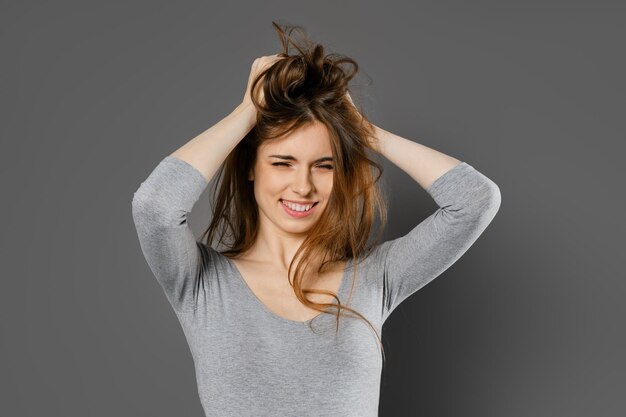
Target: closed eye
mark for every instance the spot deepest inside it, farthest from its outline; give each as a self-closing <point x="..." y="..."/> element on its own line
<point x="329" y="167"/>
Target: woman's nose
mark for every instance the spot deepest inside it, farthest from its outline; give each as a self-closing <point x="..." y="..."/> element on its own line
<point x="302" y="183"/>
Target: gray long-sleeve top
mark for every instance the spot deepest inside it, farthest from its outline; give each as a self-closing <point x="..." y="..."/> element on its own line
<point x="251" y="362"/>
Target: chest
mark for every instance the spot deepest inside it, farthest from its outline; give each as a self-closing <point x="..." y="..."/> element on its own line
<point x="271" y="289"/>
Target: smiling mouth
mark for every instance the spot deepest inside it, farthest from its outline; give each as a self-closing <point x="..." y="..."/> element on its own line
<point x="313" y="205"/>
<point x="297" y="213"/>
<point x="281" y="200"/>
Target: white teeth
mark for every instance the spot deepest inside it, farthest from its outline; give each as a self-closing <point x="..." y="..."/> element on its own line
<point x="297" y="207"/>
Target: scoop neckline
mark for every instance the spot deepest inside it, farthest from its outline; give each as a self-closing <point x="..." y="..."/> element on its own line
<point x="269" y="312"/>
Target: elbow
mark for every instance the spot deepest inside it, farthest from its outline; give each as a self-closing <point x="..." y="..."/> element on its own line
<point x="139" y="200"/>
<point x="145" y="198"/>
<point x="154" y="209"/>
<point x="138" y="208"/>
<point x="143" y="205"/>
<point x="490" y="201"/>
<point x="495" y="197"/>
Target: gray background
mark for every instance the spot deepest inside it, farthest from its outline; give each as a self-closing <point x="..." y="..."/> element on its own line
<point x="529" y="322"/>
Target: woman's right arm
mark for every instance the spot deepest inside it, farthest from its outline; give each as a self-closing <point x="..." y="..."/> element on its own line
<point x="207" y="151"/>
<point x="161" y="204"/>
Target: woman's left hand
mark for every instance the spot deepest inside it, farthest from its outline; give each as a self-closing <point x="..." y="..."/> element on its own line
<point x="350" y="99"/>
<point x="375" y="140"/>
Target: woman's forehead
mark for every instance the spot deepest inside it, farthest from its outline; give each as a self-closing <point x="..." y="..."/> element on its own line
<point x="309" y="141"/>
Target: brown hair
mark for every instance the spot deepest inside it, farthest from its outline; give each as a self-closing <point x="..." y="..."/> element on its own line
<point x="300" y="89"/>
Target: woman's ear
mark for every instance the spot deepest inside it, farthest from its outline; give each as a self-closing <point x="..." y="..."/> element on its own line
<point x="251" y="175"/>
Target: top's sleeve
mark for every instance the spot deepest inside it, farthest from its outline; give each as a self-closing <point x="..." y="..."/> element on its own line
<point x="159" y="208"/>
<point x="467" y="201"/>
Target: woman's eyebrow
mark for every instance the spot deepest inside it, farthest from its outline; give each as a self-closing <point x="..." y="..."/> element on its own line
<point x="292" y="158"/>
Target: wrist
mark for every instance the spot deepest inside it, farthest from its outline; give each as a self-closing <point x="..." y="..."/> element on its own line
<point x="380" y="136"/>
<point x="246" y="104"/>
<point x="246" y="110"/>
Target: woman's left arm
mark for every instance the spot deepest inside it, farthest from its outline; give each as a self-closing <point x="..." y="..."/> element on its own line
<point x="467" y="200"/>
<point x="420" y="162"/>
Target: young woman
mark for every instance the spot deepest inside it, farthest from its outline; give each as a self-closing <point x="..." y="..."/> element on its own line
<point x="298" y="199"/>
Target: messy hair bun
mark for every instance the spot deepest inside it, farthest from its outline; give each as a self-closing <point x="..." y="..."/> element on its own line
<point x="303" y="82"/>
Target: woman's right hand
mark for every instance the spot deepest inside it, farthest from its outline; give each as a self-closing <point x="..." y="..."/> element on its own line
<point x="258" y="66"/>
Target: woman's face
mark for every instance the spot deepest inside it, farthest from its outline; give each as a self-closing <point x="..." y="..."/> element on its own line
<point x="296" y="168"/>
